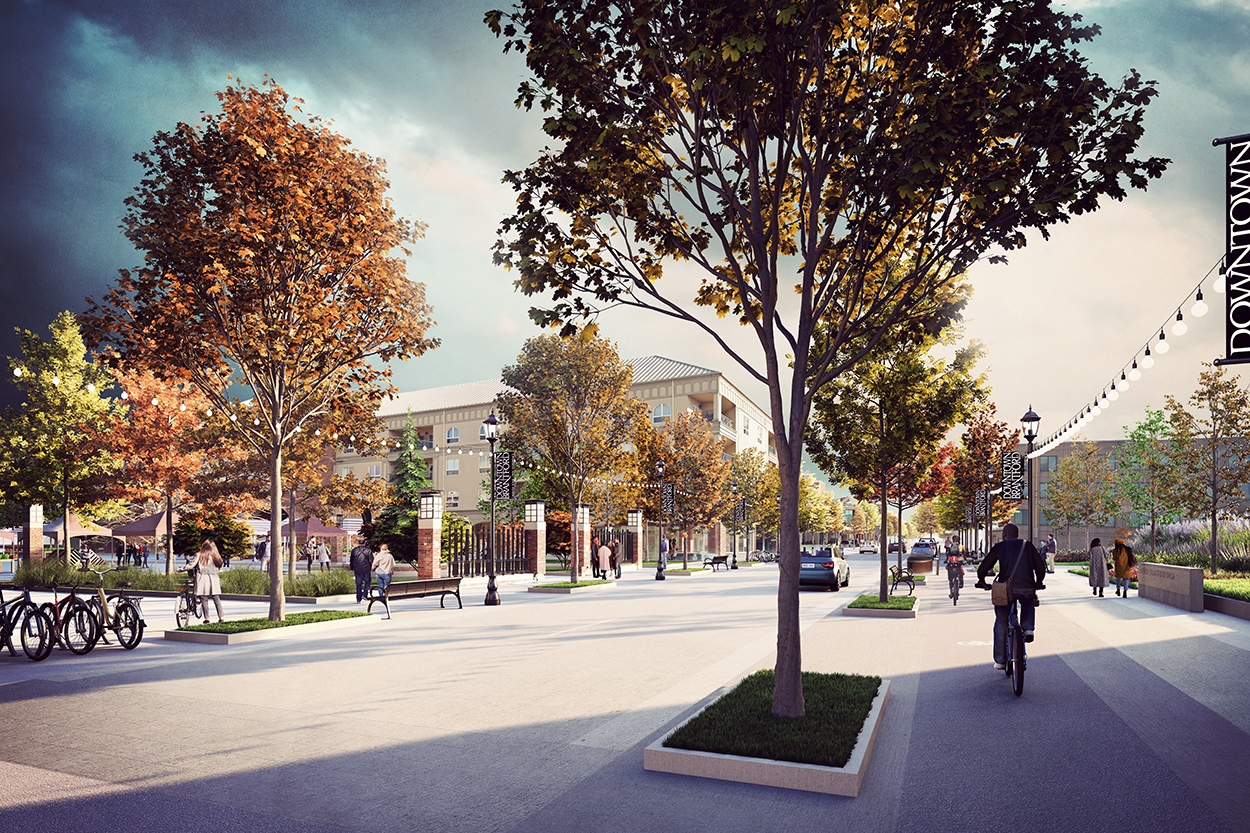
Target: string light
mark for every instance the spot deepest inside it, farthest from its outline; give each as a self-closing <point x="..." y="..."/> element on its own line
<point x="1180" y="327"/>
<point x="1134" y="374"/>
<point x="1148" y="361"/>
<point x="1199" y="308"/>
<point x="1163" y="345"/>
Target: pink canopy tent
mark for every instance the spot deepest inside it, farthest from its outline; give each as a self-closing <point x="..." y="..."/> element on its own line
<point x="76" y="529"/>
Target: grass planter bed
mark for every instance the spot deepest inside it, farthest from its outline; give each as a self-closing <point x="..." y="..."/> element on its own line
<point x="568" y="587"/>
<point x="736" y="737"/>
<point x="896" y="607"/>
<point x="236" y="631"/>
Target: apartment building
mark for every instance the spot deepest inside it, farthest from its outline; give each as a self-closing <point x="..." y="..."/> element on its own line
<point x="449" y="420"/>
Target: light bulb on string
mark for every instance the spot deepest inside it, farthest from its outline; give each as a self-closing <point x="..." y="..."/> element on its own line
<point x="234" y="417"/>
<point x="1148" y="361"/>
<point x="1115" y="394"/>
<point x="154" y="402"/>
<point x="1096" y="409"/>
<point x="256" y="422"/>
<point x="1104" y="401"/>
<point x="182" y="406"/>
<point x="1123" y="381"/>
<point x="1180" y="327"/>
<point x="91" y="388"/>
<point x="1163" y="345"/>
<point x="1134" y="374"/>
<point x="56" y="380"/>
<point x="17" y="371"/>
<point x="209" y="412"/>
<point x="1218" y="286"/>
<point x="1200" y="307"/>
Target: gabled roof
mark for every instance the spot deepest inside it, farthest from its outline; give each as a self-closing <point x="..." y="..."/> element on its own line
<point x="650" y="369"/>
<point x="437" y="399"/>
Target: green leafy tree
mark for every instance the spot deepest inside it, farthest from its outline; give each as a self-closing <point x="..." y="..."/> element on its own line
<point x="193" y="529"/>
<point x="1144" y="464"/>
<point x="272" y="265"/>
<point x="47" y="455"/>
<point x="977" y="462"/>
<point x="1083" y="487"/>
<point x="570" y="399"/>
<point x="695" y="463"/>
<point x="1210" y="451"/>
<point x="787" y="150"/>
<point x="396" y="525"/>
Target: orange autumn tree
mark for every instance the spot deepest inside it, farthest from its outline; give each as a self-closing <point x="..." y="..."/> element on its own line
<point x="156" y="437"/>
<point x="273" y="273"/>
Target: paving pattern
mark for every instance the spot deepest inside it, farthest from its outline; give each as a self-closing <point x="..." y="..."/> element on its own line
<point x="532" y="716"/>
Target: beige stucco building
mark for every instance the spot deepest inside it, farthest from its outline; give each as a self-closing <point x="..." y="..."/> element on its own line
<point x="449" y="420"/>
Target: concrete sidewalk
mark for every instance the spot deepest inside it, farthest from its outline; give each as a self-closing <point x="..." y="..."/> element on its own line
<point x="532" y="716"/>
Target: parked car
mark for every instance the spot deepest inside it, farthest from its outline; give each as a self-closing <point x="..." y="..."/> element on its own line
<point x="825" y="568"/>
<point x="867" y="546"/>
<point x="924" y="547"/>
<point x="893" y="547"/>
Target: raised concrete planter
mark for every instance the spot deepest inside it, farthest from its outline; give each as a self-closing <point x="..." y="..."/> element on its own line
<point x="568" y="590"/>
<point x="844" y="780"/>
<point x="882" y="614"/>
<point x="203" y="638"/>
<point x="1227" y="606"/>
<point x="1175" y="586"/>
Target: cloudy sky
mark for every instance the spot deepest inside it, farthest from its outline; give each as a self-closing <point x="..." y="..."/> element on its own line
<point x="425" y="86"/>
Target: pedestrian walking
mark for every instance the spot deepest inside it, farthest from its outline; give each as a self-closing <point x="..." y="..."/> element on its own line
<point x="663" y="552"/>
<point x="361" y="562"/>
<point x="384" y="567"/>
<point x="1125" y="561"/>
<point x="310" y="551"/>
<point x="262" y="553"/>
<point x="616" y="562"/>
<point x="605" y="562"/>
<point x="595" y="544"/>
<point x="1048" y="550"/>
<point x="1098" y="566"/>
<point x="323" y="555"/>
<point x="225" y="561"/>
<point x="206" y="565"/>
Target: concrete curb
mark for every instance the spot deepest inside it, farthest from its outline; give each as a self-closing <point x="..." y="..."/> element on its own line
<point x="883" y="614"/>
<point x="845" y="780"/>
<point x="569" y="590"/>
<point x="203" y="638"/>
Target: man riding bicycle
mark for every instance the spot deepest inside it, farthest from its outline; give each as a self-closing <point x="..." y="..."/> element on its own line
<point x="1023" y="564"/>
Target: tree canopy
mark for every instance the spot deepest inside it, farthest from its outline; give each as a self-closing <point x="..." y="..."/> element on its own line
<point x="821" y="161"/>
<point x="273" y="263"/>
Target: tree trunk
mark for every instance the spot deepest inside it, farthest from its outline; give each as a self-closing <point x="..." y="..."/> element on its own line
<point x="788" y="680"/>
<point x="884" y="593"/>
<point x="292" y="554"/>
<point x="277" y="599"/>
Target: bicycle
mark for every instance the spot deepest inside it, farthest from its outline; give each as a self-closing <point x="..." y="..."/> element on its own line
<point x="125" y="619"/>
<point x="955" y="576"/>
<point x="73" y="623"/>
<point x="1016" y="659"/>
<point x="21" y="616"/>
<point x="188" y="605"/>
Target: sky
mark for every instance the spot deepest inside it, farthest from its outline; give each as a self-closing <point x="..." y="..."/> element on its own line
<point x="425" y="86"/>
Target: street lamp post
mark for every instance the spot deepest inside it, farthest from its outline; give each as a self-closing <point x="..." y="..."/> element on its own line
<point x="1029" y="422"/>
<point x="659" y="566"/>
<point x="492" y="434"/>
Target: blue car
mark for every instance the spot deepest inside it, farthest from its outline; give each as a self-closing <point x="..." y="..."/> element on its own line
<point x="924" y="548"/>
<point x="826" y="569"/>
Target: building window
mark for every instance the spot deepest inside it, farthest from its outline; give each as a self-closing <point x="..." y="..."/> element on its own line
<point x="481" y="432"/>
<point x="1043" y="491"/>
<point x="346" y="472"/>
<point x="453" y="435"/>
<point x="1018" y="518"/>
<point x="1048" y="463"/>
<point x="661" y="413"/>
<point x="453" y="500"/>
<point x="483" y="463"/>
<point x="746" y="424"/>
<point x="375" y="470"/>
<point x="453" y="466"/>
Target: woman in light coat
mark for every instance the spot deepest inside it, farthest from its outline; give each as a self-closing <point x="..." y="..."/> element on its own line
<point x="605" y="562"/>
<point x="384" y="566"/>
<point x="207" y="579"/>
<point x="1097" y="566"/>
<point x="323" y="555"/>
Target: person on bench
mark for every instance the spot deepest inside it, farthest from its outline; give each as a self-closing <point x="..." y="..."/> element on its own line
<point x="383" y="567"/>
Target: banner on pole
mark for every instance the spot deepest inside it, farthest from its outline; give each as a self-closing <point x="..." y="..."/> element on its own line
<point x="1013" y="471"/>
<point x="981" y="502"/>
<point x="1236" y="250"/>
<point x="504" y="481"/>
<point x="668" y="498"/>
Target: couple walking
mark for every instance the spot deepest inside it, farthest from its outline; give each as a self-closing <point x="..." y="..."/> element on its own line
<point x="1119" y="564"/>
<point x="606" y="564"/>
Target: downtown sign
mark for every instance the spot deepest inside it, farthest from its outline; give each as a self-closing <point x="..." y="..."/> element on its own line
<point x="1236" y="250"/>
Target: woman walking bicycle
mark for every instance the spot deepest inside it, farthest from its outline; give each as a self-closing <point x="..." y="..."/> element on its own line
<point x="205" y="568"/>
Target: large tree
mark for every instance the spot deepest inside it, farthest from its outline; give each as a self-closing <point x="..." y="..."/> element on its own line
<point x="1210" y="451"/>
<point x="694" y="462"/>
<point x="1145" y="460"/>
<point x="787" y="152"/>
<point x="273" y="264"/>
<point x="570" y="401"/>
<point x="1083" y="487"/>
<point x="977" y="462"/>
<point x="47" y="452"/>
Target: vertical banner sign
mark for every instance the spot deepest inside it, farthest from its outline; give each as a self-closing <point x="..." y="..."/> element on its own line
<point x="1237" y="251"/>
<point x="1013" y="469"/>
<point x="740" y="513"/>
<point x="969" y="516"/>
<point x="668" y="498"/>
<point x="980" y="501"/>
<point x="503" y="475"/>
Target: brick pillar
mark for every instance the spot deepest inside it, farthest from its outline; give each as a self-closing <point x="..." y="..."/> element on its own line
<point x="582" y="518"/>
<point x="536" y="536"/>
<point x="633" y="539"/>
<point x="32" y="547"/>
<point x="430" y="535"/>
<point x="716" y="539"/>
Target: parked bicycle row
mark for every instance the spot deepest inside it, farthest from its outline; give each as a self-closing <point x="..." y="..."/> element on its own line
<point x="73" y="622"/>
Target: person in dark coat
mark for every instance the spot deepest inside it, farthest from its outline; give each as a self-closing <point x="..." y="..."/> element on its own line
<point x="1021" y="562"/>
<point x="361" y="562"/>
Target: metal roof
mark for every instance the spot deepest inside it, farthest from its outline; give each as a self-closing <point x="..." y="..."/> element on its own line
<point x="650" y="369"/>
<point x="438" y="399"/>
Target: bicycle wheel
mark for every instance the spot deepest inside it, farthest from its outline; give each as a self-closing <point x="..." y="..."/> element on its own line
<point x="182" y="610"/>
<point x="37" y="632"/>
<point x="1017" y="649"/>
<point x="100" y="613"/>
<point x="954" y="582"/>
<point x="129" y="625"/>
<point x="79" y="631"/>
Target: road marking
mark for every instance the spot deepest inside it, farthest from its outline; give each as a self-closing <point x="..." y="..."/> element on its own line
<point x="579" y="627"/>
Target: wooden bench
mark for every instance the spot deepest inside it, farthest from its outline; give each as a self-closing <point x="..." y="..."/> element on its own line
<point x="415" y="589"/>
<point x="716" y="561"/>
<point x="903" y="576"/>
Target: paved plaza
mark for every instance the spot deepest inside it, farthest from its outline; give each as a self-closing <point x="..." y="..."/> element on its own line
<point x="532" y="717"/>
